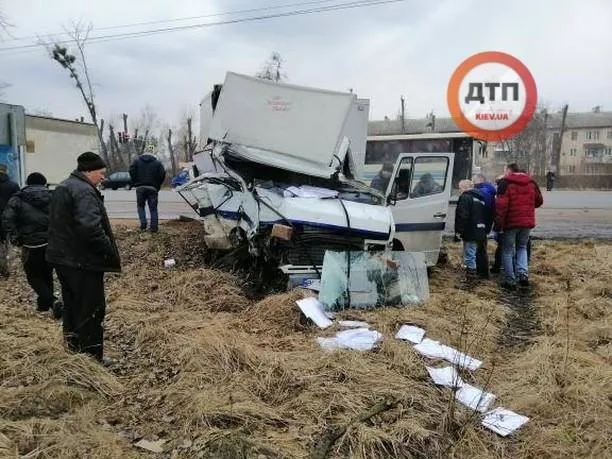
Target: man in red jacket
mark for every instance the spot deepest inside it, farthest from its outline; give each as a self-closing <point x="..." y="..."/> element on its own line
<point x="518" y="195"/>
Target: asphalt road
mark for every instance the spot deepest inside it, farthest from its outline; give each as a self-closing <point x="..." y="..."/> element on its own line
<point x="565" y="214"/>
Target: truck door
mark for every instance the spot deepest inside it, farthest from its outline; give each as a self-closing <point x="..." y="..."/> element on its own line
<point x="419" y="194"/>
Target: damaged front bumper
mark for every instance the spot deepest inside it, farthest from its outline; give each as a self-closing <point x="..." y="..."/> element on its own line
<point x="290" y="227"/>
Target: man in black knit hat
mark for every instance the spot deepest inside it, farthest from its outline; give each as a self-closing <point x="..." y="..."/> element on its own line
<point x="26" y="222"/>
<point x="82" y="248"/>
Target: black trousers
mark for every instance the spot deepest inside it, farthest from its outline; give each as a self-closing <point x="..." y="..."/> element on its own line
<point x="482" y="259"/>
<point x="40" y="275"/>
<point x="84" y="310"/>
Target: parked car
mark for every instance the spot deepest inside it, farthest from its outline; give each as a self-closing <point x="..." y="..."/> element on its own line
<point x="117" y="180"/>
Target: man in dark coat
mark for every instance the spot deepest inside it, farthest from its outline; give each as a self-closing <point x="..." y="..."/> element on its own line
<point x="148" y="175"/>
<point x="26" y="222"/>
<point x="487" y="190"/>
<point x="82" y="248"/>
<point x="7" y="189"/>
<point x="471" y="217"/>
<point x="518" y="195"/>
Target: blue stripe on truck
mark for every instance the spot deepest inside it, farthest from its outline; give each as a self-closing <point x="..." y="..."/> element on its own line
<point x="432" y="226"/>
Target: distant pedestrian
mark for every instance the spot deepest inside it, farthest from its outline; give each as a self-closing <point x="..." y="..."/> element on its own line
<point x="148" y="175"/>
<point x="550" y="180"/>
<point x="7" y="189"/>
<point x="518" y="195"/>
<point x="471" y="217"/>
<point x="82" y="248"/>
<point x="26" y="223"/>
<point x="488" y="191"/>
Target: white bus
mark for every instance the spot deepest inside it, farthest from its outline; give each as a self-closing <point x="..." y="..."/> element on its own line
<point x="385" y="149"/>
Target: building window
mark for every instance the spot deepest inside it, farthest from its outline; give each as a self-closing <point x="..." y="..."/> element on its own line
<point x="595" y="135"/>
<point x="574" y="135"/>
<point x="609" y="134"/>
<point x="588" y="135"/>
<point x="30" y="146"/>
<point x="572" y="152"/>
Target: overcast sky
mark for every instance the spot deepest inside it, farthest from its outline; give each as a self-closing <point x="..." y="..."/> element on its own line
<point x="407" y="48"/>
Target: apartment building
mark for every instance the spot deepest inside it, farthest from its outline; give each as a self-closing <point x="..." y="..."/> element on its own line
<point x="586" y="146"/>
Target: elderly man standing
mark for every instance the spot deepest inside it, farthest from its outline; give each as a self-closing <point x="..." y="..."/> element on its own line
<point x="82" y="248"/>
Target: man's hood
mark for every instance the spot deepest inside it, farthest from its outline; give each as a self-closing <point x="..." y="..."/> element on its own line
<point x="147" y="157"/>
<point x="36" y="195"/>
<point x="4" y="178"/>
<point x="486" y="188"/>
<point x="519" y="178"/>
<point x="476" y="193"/>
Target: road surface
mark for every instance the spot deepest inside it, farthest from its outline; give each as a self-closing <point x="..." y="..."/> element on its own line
<point x="565" y="214"/>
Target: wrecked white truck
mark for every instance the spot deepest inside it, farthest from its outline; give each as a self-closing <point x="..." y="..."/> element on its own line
<point x="278" y="179"/>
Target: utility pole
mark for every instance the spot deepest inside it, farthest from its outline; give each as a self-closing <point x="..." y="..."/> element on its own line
<point x="557" y="151"/>
<point x="403" y="115"/>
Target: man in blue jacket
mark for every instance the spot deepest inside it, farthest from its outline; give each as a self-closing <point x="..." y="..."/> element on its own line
<point x="487" y="190"/>
<point x="148" y="175"/>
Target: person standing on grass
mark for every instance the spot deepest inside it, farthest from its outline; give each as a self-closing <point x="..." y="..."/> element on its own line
<point x="7" y="189"/>
<point x="148" y="175"/>
<point x="26" y="222"/>
<point x="487" y="190"/>
<point x="82" y="248"/>
<point x="518" y="195"/>
<point x="471" y="218"/>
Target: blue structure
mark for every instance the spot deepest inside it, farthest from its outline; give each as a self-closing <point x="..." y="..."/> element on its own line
<point x="12" y="139"/>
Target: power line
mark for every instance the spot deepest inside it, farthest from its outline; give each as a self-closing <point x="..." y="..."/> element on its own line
<point x="188" y="18"/>
<point x="121" y="36"/>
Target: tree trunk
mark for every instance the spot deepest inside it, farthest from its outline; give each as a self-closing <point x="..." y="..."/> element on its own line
<point x="171" y="153"/>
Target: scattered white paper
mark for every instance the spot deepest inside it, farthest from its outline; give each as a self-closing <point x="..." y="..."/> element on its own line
<point x="446" y="376"/>
<point x="474" y="398"/>
<point x="312" y="284"/>
<point x="313" y="309"/>
<point x="360" y="339"/>
<point x="434" y="350"/>
<point x="306" y="191"/>
<point x="463" y="360"/>
<point x="353" y="324"/>
<point x="410" y="333"/>
<point x="503" y="421"/>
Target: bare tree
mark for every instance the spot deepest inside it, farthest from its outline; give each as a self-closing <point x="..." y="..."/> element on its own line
<point x="530" y="148"/>
<point x="5" y="25"/>
<point x="171" y="153"/>
<point x="273" y="69"/>
<point x="189" y="141"/>
<point x="79" y="71"/>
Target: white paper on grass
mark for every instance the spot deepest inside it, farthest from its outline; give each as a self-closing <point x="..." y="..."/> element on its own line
<point x="474" y="398"/>
<point x="360" y="339"/>
<point x="410" y="333"/>
<point x="432" y="349"/>
<point x="312" y="308"/>
<point x="463" y="360"/>
<point x="503" y="421"/>
<point x="353" y="324"/>
<point x="446" y="376"/>
<point x="435" y="350"/>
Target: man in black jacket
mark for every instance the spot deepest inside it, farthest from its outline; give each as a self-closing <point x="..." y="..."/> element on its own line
<point x="7" y="189"/>
<point x="473" y="221"/>
<point x="148" y="175"/>
<point x="82" y="248"/>
<point x="26" y="222"/>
